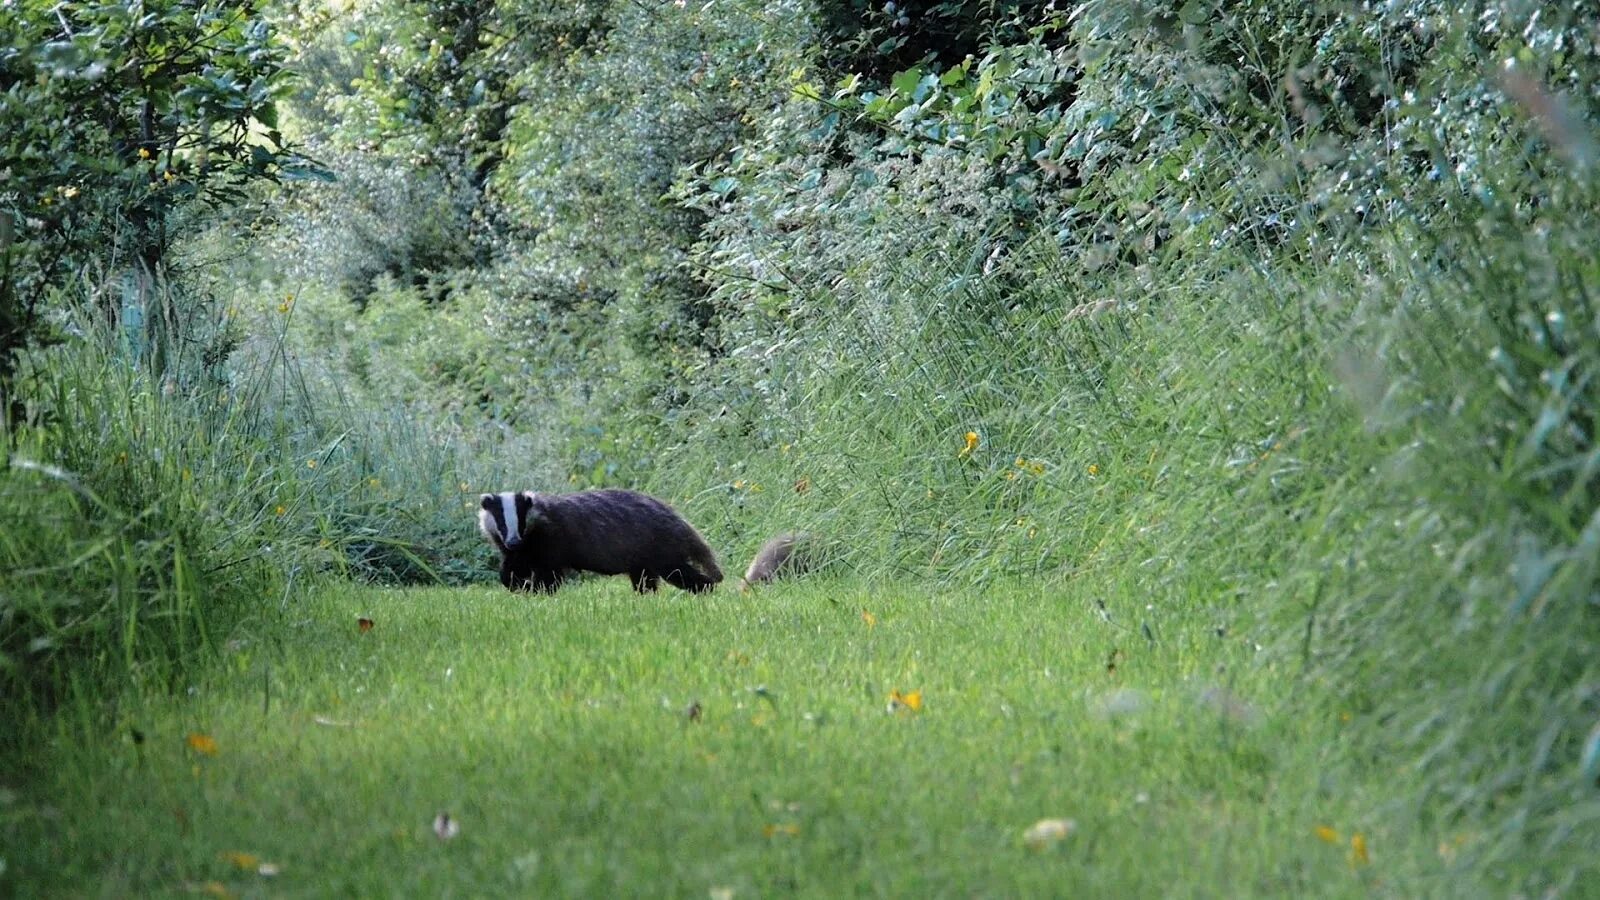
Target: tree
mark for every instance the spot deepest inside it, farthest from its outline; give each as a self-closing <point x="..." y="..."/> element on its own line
<point x="113" y="117"/>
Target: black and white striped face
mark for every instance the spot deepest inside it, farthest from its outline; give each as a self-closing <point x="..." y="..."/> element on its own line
<point x="504" y="517"/>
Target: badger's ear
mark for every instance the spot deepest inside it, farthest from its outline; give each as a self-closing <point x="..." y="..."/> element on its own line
<point x="488" y="502"/>
<point x="525" y="506"/>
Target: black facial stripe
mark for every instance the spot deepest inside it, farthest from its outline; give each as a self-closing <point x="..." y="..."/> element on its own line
<point x="496" y="511"/>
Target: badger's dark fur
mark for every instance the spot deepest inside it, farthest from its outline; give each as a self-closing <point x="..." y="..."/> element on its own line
<point x="542" y="538"/>
<point x="785" y="555"/>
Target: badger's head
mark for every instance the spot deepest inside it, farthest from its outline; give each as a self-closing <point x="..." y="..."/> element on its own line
<point x="506" y="518"/>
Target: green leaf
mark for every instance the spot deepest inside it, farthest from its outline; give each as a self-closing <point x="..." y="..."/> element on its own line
<point x="906" y="82"/>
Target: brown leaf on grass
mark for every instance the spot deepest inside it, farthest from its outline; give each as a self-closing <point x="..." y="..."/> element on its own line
<point x="203" y="744"/>
<point x="693" y="712"/>
<point x="445" y="827"/>
<point x="364" y="624"/>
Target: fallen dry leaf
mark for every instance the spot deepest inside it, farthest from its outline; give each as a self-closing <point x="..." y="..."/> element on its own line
<point x="241" y="860"/>
<point x="1048" y="831"/>
<point x="364" y="624"/>
<point x="203" y="744"/>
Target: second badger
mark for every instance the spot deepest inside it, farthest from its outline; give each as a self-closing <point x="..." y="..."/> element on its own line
<point x="544" y="537"/>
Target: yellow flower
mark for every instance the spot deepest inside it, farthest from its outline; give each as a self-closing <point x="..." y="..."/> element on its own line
<point x="1094" y="469"/>
<point x="1325" y="834"/>
<point x="69" y="192"/>
<point x="372" y="482"/>
<point x="788" y="829"/>
<point x="144" y="153"/>
<point x="971" y="445"/>
<point x="169" y="177"/>
<point x="1358" y="850"/>
<point x="869" y="618"/>
<point x="281" y="510"/>
<point x="204" y="744"/>
<point x="911" y="700"/>
<point x="311" y="464"/>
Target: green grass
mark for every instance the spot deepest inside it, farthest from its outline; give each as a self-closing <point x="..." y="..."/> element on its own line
<point x="554" y="730"/>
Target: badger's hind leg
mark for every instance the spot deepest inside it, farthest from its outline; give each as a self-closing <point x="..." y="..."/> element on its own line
<point x="644" y="581"/>
<point x="689" y="580"/>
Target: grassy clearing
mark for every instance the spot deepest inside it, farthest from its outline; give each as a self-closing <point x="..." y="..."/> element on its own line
<point x="556" y="732"/>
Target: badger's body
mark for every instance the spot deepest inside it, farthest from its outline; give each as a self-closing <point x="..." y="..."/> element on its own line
<point x="543" y="538"/>
<point x="785" y="555"/>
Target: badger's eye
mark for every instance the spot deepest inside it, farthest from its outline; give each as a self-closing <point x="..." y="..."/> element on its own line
<point x="488" y="502"/>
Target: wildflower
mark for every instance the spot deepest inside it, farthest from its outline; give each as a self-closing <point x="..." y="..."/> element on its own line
<point x="788" y="828"/>
<point x="144" y="153"/>
<point x="869" y="618"/>
<point x="203" y="744"/>
<point x="69" y="192"/>
<point x="372" y="482"/>
<point x="1325" y="834"/>
<point x="911" y="700"/>
<point x="281" y="510"/>
<point x="1094" y="469"/>
<point x="971" y="445"/>
<point x="1358" y="850"/>
<point x="168" y="177"/>
<point x="311" y="464"/>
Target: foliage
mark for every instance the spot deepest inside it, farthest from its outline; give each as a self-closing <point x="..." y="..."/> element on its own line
<point x="116" y="115"/>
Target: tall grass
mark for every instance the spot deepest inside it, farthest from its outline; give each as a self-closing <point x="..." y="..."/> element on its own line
<point x="1373" y="455"/>
<point x="152" y="509"/>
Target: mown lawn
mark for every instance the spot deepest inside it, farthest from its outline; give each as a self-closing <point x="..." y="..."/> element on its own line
<point x="594" y="743"/>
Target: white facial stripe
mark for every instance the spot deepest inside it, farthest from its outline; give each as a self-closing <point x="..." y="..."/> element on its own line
<point x="508" y="510"/>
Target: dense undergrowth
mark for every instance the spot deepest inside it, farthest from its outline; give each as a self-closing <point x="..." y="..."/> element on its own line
<point x="1287" y="316"/>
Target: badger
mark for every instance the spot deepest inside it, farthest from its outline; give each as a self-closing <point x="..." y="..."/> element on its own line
<point x="786" y="554"/>
<point x="543" y="538"/>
